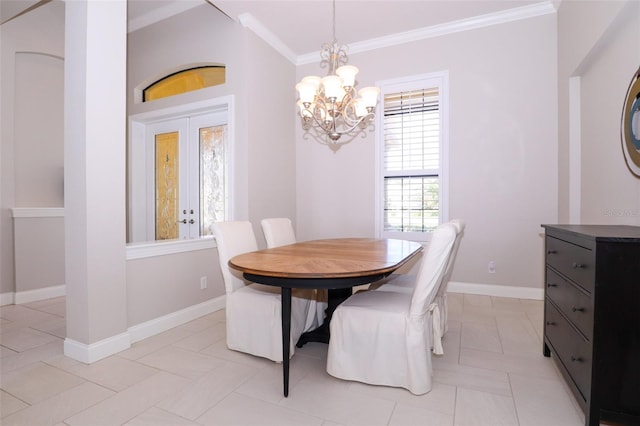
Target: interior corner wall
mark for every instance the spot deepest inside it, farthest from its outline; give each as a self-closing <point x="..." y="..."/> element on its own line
<point x="502" y="155"/>
<point x="599" y="43"/>
<point x="271" y="135"/>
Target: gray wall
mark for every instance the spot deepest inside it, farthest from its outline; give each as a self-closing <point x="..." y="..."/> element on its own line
<point x="502" y="157"/>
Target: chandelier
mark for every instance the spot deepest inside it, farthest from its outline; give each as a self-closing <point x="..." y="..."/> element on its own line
<point x="331" y="105"/>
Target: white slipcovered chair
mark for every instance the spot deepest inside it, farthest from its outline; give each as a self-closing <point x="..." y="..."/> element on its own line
<point x="406" y="282"/>
<point x="278" y="231"/>
<point x="385" y="338"/>
<point x="253" y="311"/>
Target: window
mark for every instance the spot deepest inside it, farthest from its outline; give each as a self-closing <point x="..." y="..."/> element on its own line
<point x="185" y="81"/>
<point x="412" y="157"/>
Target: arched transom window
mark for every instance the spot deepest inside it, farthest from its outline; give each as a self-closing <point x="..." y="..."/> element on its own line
<point x="185" y="81"/>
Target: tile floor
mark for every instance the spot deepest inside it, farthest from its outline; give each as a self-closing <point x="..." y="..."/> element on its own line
<point x="492" y="373"/>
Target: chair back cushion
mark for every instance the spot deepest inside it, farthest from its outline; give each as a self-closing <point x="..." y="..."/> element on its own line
<point x="432" y="269"/>
<point x="233" y="238"/>
<point x="459" y="226"/>
<point x="278" y="231"/>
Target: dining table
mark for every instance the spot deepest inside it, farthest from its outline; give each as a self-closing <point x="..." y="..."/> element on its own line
<point x="336" y="264"/>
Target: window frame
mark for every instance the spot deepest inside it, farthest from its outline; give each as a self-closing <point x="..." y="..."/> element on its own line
<point x="415" y="82"/>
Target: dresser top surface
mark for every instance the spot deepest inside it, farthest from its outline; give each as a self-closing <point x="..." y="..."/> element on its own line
<point x="625" y="233"/>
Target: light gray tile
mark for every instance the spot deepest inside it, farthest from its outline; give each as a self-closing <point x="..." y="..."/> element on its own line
<point x="542" y="401"/>
<point x="131" y="402"/>
<point x="203" y="338"/>
<point x="114" y="372"/>
<point x="153" y="343"/>
<point x="6" y="352"/>
<point x="239" y="409"/>
<point x="220" y="350"/>
<point x="266" y="383"/>
<point x="25" y="315"/>
<point x="37" y="382"/>
<point x="59" y="407"/>
<point x="441" y="398"/>
<point x="476" y="300"/>
<point x="408" y="415"/>
<point x="9" y="404"/>
<point x="325" y="400"/>
<point x="24" y="339"/>
<point x="191" y="365"/>
<point x="534" y="365"/>
<point x="482" y="336"/>
<point x="518" y="337"/>
<point x="156" y="417"/>
<point x="206" y="392"/>
<point x="39" y="353"/>
<point x="57" y="327"/>
<point x="473" y="378"/>
<point x="484" y="409"/>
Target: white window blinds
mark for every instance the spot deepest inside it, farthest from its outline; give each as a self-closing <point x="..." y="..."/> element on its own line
<point x="411" y="160"/>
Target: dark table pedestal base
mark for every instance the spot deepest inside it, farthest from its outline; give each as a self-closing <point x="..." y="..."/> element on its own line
<point x="322" y="333"/>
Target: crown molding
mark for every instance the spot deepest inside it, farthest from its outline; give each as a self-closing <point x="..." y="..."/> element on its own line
<point x="161" y="14"/>
<point x="249" y="21"/>
<point x="481" y="21"/>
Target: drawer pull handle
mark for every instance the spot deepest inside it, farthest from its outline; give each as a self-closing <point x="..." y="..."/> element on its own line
<point x="576" y="359"/>
<point x="552" y="285"/>
<point x="578" y="265"/>
<point x="551" y="323"/>
<point x="574" y="309"/>
<point x="551" y="252"/>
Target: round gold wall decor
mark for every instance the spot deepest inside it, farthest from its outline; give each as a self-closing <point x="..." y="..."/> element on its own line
<point x="630" y="125"/>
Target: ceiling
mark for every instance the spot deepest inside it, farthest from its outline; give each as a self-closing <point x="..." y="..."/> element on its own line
<point x="301" y="26"/>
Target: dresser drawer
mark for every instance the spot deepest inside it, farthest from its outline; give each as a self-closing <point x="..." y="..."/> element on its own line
<point x="573" y="351"/>
<point x="575" y="262"/>
<point x="576" y="305"/>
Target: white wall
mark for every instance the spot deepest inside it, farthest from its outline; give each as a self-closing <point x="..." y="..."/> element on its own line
<point x="600" y="45"/>
<point x="503" y="145"/>
<point x="31" y="134"/>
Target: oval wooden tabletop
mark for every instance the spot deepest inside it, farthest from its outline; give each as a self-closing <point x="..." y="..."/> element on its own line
<point x="334" y="258"/>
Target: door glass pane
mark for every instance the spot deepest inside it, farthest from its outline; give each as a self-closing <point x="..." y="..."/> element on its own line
<point x="166" y="147"/>
<point x="212" y="185"/>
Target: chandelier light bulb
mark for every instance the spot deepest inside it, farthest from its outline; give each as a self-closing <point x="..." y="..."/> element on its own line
<point x="332" y="85"/>
<point x="348" y="74"/>
<point x="307" y="92"/>
<point x="313" y="80"/>
<point x="360" y="108"/>
<point x="369" y="96"/>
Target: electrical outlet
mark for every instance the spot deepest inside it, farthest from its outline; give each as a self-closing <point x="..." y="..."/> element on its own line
<point x="491" y="267"/>
<point x="203" y="283"/>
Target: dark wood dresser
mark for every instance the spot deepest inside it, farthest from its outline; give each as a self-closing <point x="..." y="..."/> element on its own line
<point x="592" y="316"/>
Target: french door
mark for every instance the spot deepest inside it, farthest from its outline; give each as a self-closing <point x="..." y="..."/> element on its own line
<point x="187" y="188"/>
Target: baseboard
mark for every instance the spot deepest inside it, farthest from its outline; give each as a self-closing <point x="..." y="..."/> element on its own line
<point x="96" y="351"/>
<point x="174" y="319"/>
<point x="40" y="294"/>
<point x="496" y="290"/>
<point x="7" y="298"/>
<point x="112" y="345"/>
